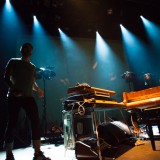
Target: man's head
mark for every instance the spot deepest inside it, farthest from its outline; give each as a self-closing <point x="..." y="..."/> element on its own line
<point x="26" y="50"/>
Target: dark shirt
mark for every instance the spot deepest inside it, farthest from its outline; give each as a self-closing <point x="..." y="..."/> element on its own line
<point x="23" y="76"/>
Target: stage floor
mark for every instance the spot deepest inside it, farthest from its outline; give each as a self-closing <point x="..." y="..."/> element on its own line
<point x="141" y="152"/>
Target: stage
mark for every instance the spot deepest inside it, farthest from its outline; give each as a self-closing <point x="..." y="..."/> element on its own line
<point x="140" y="152"/>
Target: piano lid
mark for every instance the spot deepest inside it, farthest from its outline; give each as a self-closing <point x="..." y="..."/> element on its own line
<point x="88" y="89"/>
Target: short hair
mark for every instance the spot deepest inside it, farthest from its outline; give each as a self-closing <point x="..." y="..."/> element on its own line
<point x="25" y="49"/>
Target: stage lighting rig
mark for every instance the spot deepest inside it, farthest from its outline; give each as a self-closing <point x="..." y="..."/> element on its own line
<point x="45" y="73"/>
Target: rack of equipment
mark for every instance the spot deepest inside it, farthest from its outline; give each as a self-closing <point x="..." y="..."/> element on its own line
<point x="80" y="122"/>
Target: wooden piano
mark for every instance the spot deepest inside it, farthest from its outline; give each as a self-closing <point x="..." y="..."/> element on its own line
<point x="148" y="100"/>
<point x="142" y="99"/>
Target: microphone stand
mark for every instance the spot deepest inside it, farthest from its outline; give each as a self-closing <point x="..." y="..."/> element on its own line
<point x="45" y="74"/>
<point x="44" y="109"/>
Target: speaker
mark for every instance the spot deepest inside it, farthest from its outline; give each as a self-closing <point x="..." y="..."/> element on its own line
<point x="114" y="133"/>
<point x="85" y="149"/>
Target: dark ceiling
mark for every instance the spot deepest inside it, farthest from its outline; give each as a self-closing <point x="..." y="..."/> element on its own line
<point x="81" y="18"/>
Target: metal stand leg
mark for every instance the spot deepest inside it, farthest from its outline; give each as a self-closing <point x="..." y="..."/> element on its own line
<point x="96" y="130"/>
<point x="125" y="120"/>
<point x="100" y="145"/>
